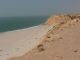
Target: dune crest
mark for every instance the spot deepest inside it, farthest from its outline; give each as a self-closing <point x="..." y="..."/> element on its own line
<point x="58" y="19"/>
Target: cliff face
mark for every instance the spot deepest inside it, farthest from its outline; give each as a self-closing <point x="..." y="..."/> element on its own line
<point x="57" y="19"/>
<point x="61" y="19"/>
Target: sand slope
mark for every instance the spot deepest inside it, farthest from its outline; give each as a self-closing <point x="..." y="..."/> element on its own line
<point x="61" y="44"/>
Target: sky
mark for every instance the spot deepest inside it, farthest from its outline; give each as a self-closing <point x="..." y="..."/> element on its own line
<point x="37" y="7"/>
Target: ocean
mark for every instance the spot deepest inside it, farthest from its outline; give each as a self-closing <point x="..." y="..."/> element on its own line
<point x="15" y="23"/>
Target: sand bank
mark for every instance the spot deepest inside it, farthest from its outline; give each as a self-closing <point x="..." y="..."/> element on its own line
<point x="16" y="43"/>
<point x="62" y="43"/>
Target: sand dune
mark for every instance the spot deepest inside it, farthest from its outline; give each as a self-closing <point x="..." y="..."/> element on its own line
<point x="61" y="43"/>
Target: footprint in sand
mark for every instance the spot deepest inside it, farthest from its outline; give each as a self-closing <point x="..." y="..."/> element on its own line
<point x="0" y="55"/>
<point x="40" y="48"/>
<point x="76" y="51"/>
<point x="1" y="50"/>
<point x="60" y="37"/>
<point x="17" y="48"/>
<point x="7" y="54"/>
<point x="59" y="57"/>
<point x="48" y="37"/>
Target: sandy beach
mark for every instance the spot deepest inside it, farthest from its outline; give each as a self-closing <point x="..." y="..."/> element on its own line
<point x="17" y="43"/>
<point x="39" y="29"/>
<point x="61" y="43"/>
<point x="57" y="39"/>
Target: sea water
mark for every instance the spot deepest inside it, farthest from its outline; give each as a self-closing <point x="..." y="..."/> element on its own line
<point x="14" y="23"/>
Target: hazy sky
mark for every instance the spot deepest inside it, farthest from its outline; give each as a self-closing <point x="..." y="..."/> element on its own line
<point x="37" y="7"/>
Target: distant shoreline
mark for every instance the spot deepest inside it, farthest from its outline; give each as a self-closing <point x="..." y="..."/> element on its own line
<point x="19" y="29"/>
<point x="16" y="23"/>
